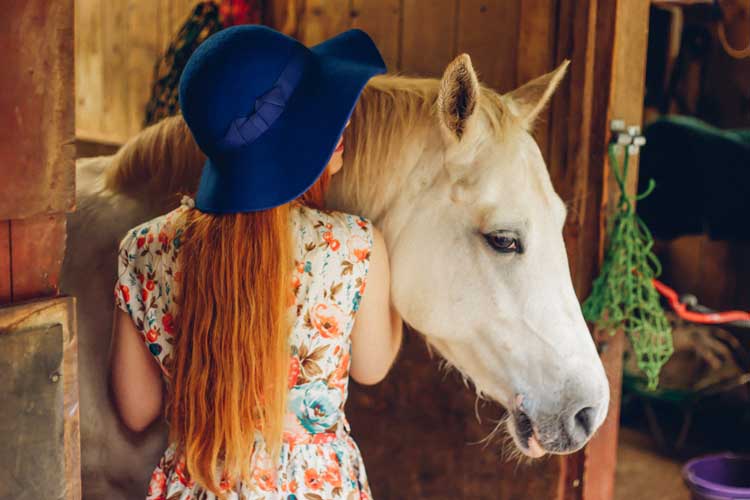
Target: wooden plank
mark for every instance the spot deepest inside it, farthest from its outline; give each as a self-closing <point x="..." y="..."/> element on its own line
<point x="323" y="19"/>
<point x="429" y="36"/>
<point x="89" y="66"/>
<point x="37" y="108"/>
<point x="141" y="57"/>
<point x="488" y="31"/>
<point x="115" y="116"/>
<point x="5" y="276"/>
<point x="536" y="51"/>
<point x="381" y="19"/>
<point x="622" y="28"/>
<point x="37" y="250"/>
<point x="30" y="334"/>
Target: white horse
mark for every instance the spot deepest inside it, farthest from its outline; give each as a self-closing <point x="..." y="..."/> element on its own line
<point x="448" y="170"/>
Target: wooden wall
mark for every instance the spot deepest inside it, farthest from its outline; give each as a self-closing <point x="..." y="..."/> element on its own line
<point x="716" y="272"/>
<point x="117" y="43"/>
<point x="417" y="428"/>
<point x="38" y="354"/>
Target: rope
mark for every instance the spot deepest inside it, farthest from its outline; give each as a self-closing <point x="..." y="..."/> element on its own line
<point x="735" y="53"/>
<point x="623" y="295"/>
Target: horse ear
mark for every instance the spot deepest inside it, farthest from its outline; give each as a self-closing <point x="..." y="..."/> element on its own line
<point x="529" y="100"/>
<point x="458" y="96"/>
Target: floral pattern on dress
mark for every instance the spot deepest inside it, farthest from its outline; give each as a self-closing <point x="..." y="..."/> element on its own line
<point x="319" y="460"/>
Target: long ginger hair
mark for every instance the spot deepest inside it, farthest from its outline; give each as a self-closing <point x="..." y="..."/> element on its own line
<point x="230" y="362"/>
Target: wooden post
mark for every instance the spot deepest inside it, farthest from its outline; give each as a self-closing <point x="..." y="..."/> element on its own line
<point x="39" y="415"/>
<point x="620" y="65"/>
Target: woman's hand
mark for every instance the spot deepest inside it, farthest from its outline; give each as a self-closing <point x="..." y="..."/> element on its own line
<point x="135" y="377"/>
<point x="378" y="328"/>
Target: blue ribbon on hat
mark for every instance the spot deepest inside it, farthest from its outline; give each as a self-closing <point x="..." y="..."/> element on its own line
<point x="268" y="107"/>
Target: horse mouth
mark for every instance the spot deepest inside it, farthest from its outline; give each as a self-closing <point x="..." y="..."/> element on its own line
<point x="524" y="434"/>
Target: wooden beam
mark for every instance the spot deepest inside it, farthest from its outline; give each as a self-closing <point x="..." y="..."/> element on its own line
<point x="620" y="59"/>
<point x="36" y="108"/>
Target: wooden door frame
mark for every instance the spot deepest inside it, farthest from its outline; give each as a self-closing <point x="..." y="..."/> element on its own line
<point x="611" y="38"/>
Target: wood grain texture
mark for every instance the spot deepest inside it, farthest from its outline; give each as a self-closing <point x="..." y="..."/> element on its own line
<point x="46" y="314"/>
<point x="429" y="36"/>
<point x="116" y="50"/>
<point x="537" y="22"/>
<point x="143" y="40"/>
<point x="117" y="44"/>
<point x="381" y="19"/>
<point x="37" y="250"/>
<point x="89" y="67"/>
<point x="5" y="277"/>
<point x="36" y="108"/>
<point x="322" y="19"/>
<point x="622" y="37"/>
<point x="488" y="31"/>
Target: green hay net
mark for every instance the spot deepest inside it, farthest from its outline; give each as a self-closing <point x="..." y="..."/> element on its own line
<point x="623" y="296"/>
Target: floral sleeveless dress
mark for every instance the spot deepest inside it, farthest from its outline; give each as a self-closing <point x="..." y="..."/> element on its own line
<point x="319" y="460"/>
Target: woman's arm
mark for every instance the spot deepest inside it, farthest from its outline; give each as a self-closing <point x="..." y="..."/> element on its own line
<point x="135" y="377"/>
<point x="378" y="328"/>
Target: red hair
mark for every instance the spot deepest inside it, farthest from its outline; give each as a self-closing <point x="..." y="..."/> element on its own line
<point x="231" y="359"/>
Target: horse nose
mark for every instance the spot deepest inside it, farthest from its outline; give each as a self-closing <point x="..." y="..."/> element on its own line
<point x="584" y="420"/>
<point x="580" y="423"/>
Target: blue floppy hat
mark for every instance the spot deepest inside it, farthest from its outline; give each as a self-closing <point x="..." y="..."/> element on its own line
<point x="268" y="111"/>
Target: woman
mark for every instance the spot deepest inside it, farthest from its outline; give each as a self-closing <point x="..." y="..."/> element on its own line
<point x="244" y="300"/>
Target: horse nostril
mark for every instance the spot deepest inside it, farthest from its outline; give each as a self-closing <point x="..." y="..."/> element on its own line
<point x="585" y="419"/>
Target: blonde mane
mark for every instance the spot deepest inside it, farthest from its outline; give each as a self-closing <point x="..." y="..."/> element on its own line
<point x="390" y="112"/>
<point x="158" y="164"/>
<point x="163" y="160"/>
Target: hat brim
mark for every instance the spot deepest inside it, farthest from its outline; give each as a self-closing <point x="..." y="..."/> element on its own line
<point x="291" y="155"/>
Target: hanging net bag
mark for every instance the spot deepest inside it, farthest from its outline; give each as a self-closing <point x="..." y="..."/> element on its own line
<point x="623" y="295"/>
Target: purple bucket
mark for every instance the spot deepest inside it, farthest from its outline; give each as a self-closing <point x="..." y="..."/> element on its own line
<point x="718" y="477"/>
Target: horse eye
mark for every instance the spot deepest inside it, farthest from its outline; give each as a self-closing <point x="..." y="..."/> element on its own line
<point x="503" y="242"/>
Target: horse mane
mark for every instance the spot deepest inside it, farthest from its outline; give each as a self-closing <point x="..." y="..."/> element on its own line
<point x="157" y="164"/>
<point x="390" y="112"/>
<point x="163" y="161"/>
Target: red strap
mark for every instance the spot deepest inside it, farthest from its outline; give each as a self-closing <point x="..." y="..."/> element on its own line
<point x="697" y="317"/>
